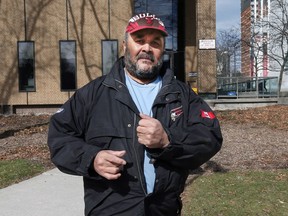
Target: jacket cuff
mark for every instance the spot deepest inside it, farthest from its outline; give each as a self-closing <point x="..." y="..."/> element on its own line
<point x="86" y="167"/>
<point x="168" y="152"/>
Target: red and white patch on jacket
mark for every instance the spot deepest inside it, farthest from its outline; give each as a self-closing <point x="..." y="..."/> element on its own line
<point x="175" y="113"/>
<point x="205" y="114"/>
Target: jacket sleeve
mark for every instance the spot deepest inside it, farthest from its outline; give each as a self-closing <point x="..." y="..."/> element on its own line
<point x="66" y="140"/>
<point x="194" y="143"/>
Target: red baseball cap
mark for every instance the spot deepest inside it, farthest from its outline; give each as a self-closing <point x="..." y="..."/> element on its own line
<point x="145" y="21"/>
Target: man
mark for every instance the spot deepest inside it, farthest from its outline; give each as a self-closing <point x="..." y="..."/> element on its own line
<point x="135" y="133"/>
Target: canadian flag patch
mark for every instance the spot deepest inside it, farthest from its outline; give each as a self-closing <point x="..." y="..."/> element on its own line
<point x="205" y="114"/>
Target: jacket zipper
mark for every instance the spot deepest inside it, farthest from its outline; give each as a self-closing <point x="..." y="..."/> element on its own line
<point x="136" y="155"/>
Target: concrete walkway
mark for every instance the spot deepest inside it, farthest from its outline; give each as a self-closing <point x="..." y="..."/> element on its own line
<point x="50" y="194"/>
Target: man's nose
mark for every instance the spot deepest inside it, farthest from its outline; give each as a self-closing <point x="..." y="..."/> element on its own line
<point x="146" y="47"/>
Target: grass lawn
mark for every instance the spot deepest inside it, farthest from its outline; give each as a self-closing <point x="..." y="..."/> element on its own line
<point x="238" y="193"/>
<point x="13" y="171"/>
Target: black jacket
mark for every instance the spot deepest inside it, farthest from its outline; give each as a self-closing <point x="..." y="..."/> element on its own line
<point x="102" y="115"/>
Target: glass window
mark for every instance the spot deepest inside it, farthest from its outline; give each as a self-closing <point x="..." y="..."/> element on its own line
<point x="68" y="65"/>
<point x="109" y="55"/>
<point x="167" y="11"/>
<point x="26" y="66"/>
<point x="171" y="13"/>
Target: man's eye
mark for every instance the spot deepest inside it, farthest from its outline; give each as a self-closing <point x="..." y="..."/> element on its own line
<point x="155" y="44"/>
<point x="139" y="41"/>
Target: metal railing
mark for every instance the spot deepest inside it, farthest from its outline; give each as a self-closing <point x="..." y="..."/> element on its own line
<point x="247" y="87"/>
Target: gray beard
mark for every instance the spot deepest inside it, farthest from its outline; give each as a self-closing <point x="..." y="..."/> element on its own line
<point x="145" y="75"/>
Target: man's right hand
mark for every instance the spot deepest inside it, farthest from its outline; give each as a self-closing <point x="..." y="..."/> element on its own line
<point x="109" y="164"/>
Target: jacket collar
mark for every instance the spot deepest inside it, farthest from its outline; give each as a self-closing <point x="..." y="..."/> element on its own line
<point x="116" y="80"/>
<point x="116" y="77"/>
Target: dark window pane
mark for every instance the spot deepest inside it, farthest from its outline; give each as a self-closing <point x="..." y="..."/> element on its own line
<point x="109" y="54"/>
<point x="167" y="11"/>
<point x="26" y="66"/>
<point x="68" y="65"/>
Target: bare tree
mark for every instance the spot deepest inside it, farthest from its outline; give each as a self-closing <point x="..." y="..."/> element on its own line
<point x="257" y="54"/>
<point x="228" y="46"/>
<point x="278" y="38"/>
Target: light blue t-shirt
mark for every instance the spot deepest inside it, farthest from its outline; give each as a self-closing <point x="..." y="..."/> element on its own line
<point x="143" y="96"/>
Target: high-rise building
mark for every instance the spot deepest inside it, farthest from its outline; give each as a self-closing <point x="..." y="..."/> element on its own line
<point x="254" y="37"/>
<point x="264" y="48"/>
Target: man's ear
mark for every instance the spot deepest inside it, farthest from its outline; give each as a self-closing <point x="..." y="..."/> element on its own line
<point x="124" y="45"/>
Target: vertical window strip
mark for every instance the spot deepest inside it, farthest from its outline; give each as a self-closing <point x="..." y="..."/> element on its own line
<point x="26" y="65"/>
<point x="109" y="55"/>
<point x="68" y="66"/>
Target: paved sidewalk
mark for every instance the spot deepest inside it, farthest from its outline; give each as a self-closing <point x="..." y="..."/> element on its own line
<point x="50" y="194"/>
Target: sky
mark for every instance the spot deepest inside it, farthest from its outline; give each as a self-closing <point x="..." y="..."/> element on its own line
<point x="227" y="14"/>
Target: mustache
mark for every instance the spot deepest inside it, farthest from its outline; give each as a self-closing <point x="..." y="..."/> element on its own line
<point x="146" y="56"/>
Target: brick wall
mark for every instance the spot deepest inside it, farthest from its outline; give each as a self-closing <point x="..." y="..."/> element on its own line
<point x="206" y="29"/>
<point x="46" y="23"/>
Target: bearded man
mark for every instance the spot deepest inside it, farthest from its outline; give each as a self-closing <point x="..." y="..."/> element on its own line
<point x="135" y="133"/>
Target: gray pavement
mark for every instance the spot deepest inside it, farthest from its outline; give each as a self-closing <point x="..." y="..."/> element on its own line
<point x="50" y="194"/>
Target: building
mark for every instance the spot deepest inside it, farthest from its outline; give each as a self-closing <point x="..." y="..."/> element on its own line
<point x="50" y="48"/>
<point x="264" y="46"/>
<point x="254" y="37"/>
<point x="246" y="24"/>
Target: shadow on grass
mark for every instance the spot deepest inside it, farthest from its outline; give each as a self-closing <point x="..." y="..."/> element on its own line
<point x="208" y="167"/>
